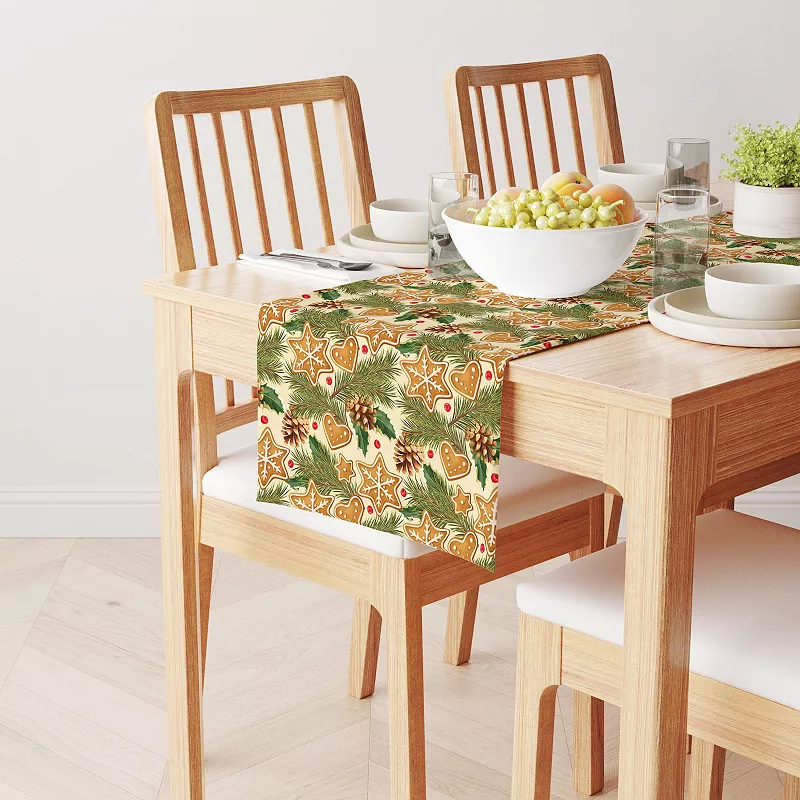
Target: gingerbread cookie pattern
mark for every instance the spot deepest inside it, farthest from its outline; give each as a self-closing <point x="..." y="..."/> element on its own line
<point x="392" y="420"/>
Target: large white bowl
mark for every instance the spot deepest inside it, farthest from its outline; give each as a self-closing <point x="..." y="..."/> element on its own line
<point x="542" y="264"/>
<point x="402" y="220"/>
<point x="754" y="290"/>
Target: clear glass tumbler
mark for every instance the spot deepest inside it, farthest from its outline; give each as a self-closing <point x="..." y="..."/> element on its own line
<point x="688" y="162"/>
<point x="446" y="189"/>
<point x="680" y="253"/>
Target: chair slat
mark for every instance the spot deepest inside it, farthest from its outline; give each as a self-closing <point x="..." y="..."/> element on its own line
<point x="319" y="173"/>
<point x="487" y="148"/>
<point x="501" y="114"/>
<point x="255" y="172"/>
<point x="227" y="182"/>
<point x="230" y="398"/>
<point x="286" y="171"/>
<point x="526" y="132"/>
<point x="576" y="125"/>
<point x="202" y="196"/>
<point x="551" y="132"/>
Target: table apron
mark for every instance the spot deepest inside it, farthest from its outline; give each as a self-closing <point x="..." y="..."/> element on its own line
<point x="225" y="346"/>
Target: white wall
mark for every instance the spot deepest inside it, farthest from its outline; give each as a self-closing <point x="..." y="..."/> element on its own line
<point x="78" y="234"/>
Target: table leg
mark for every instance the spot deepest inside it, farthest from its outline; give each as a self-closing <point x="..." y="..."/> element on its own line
<point x="661" y="466"/>
<point x="179" y="551"/>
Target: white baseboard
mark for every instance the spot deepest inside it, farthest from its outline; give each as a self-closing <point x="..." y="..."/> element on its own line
<point x="35" y="512"/>
<point x="69" y="511"/>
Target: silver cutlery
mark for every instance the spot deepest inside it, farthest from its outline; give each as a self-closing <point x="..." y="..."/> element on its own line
<point x="352" y="266"/>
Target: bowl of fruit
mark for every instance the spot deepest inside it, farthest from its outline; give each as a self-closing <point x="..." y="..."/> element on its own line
<point x="517" y="239"/>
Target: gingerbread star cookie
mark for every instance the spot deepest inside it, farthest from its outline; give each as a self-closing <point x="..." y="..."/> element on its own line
<point x="462" y="501"/>
<point x="275" y="311"/>
<point x="497" y="357"/>
<point x="312" y="500"/>
<point x="486" y="518"/>
<point x="310" y="354"/>
<point x="426" y="532"/>
<point x="344" y="469"/>
<point x="379" y="484"/>
<point x="271" y="459"/>
<point x="426" y="378"/>
<point x="379" y="333"/>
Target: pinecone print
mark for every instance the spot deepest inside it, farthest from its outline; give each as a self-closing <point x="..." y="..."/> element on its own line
<point x="362" y="412"/>
<point x="446" y="328"/>
<point x="327" y="304"/>
<point x="430" y="313"/>
<point x="482" y="443"/>
<point x="294" y="429"/>
<point x="407" y="456"/>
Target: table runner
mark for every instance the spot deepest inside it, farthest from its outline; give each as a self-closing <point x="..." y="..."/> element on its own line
<point x="380" y="400"/>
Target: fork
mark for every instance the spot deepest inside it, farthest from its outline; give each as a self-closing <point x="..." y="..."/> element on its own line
<point x="351" y="266"/>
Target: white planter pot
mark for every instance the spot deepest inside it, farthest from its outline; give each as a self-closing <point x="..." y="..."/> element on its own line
<point x="766" y="213"/>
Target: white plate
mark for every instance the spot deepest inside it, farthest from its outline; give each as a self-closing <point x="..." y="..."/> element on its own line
<point x="712" y="334"/>
<point x="364" y="237"/>
<point x="402" y="260"/>
<point x="650" y="208"/>
<point x="690" y="305"/>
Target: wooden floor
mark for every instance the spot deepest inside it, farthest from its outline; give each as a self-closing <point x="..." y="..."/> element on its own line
<point x="82" y="697"/>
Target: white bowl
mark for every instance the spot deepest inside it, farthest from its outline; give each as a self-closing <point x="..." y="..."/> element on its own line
<point x="400" y="220"/>
<point x="542" y="264"/>
<point x="642" y="181"/>
<point x="754" y="290"/>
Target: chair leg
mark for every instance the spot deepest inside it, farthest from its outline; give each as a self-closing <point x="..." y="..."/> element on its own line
<point x="791" y="787"/>
<point x="398" y="598"/>
<point x="461" y="611"/>
<point x="204" y="579"/>
<point x="707" y="771"/>
<point x="365" y="642"/>
<point x="613" y="515"/>
<point x="538" y="676"/>
<point x="588" y="713"/>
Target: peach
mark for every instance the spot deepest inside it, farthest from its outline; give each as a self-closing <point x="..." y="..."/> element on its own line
<point x="610" y="193"/>
<point x="565" y="183"/>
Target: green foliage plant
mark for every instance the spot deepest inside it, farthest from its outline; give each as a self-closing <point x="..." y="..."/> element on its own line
<point x="764" y="156"/>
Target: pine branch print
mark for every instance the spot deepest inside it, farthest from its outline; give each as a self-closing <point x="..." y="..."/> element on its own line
<point x="374" y="378"/>
<point x="499" y="325"/>
<point x="316" y="464"/>
<point x="580" y="311"/>
<point x="461" y="289"/>
<point x="376" y="300"/>
<point x="429" y="428"/>
<point x="435" y="495"/>
<point x="389" y="522"/>
<point x="455" y="349"/>
<point x="336" y="323"/>
<point x="611" y="295"/>
<point x="270" y="354"/>
<point x="483" y="410"/>
<point x="277" y="494"/>
<point x="313" y="401"/>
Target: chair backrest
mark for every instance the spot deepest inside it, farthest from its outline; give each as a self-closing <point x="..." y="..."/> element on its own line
<point x="467" y="81"/>
<point x="177" y="241"/>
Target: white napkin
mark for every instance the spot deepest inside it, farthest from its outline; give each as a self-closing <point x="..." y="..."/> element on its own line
<point x="328" y="277"/>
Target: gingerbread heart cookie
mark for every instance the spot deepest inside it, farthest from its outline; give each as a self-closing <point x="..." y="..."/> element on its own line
<point x="500" y="336"/>
<point x="465" y="381"/>
<point x="351" y="511"/>
<point x="344" y="355"/>
<point x="464" y="548"/>
<point x="455" y="464"/>
<point x="338" y="434"/>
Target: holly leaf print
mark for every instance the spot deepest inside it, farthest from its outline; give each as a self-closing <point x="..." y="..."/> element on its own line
<point x="481" y="469"/>
<point x="363" y="438"/>
<point x="269" y="397"/>
<point x="384" y="424"/>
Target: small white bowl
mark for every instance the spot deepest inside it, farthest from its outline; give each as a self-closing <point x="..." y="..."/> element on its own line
<point x="400" y="220"/>
<point x="754" y="290"/>
<point x="642" y="181"/>
<point x="541" y="264"/>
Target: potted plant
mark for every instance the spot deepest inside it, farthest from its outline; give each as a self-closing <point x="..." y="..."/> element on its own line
<point x="765" y="164"/>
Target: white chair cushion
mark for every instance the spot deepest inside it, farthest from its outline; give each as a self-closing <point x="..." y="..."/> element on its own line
<point x="745" y="625"/>
<point x="526" y="490"/>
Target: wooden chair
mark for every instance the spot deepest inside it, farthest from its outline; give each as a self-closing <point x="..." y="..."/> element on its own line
<point x="745" y="652"/>
<point x="543" y="512"/>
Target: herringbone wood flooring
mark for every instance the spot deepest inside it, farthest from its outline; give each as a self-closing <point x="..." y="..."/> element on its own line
<point x="82" y="714"/>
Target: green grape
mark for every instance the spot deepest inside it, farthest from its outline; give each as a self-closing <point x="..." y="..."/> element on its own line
<point x="598" y="201"/>
<point x="569" y="204"/>
<point x="522" y="197"/>
<point x="553" y="209"/>
<point x="585" y="200"/>
<point x="576" y="194"/>
<point x="537" y="209"/>
<point x="524" y="216"/>
<point x="612" y="223"/>
<point x="599" y="224"/>
<point x="534" y="195"/>
<point x="496" y="221"/>
<point x="542" y="222"/>
<point x="585" y="225"/>
<point x="588" y="214"/>
<point x="562" y="217"/>
<point x="500" y="197"/>
<point x="481" y="218"/>
<point x="552" y="223"/>
<point x="549" y="195"/>
<point x="519" y="224"/>
<point x="574" y="219"/>
<point x="604" y="213"/>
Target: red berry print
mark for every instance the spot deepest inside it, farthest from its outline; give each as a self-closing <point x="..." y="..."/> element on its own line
<point x="290" y="463"/>
<point x="483" y="547"/>
<point x="293" y="310"/>
<point x="481" y="301"/>
<point x="264" y="419"/>
<point x="315" y="425"/>
<point x="364" y="349"/>
<point x="329" y="380"/>
<point x="430" y="453"/>
<point x="429" y="271"/>
<point x="448" y="407"/>
<point x="488" y="374"/>
<point x="403" y="493"/>
<point x="377" y="444"/>
<point x="306" y="296"/>
<point x="495" y="477"/>
<point x="478" y="332"/>
<point x="548" y="345"/>
<point x="370" y="510"/>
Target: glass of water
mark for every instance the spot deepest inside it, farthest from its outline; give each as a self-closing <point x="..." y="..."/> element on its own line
<point x="446" y="189"/>
<point x="688" y="163"/>
<point x="680" y="253"/>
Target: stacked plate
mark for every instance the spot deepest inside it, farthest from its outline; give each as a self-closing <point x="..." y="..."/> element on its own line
<point x="744" y="304"/>
<point x="397" y="235"/>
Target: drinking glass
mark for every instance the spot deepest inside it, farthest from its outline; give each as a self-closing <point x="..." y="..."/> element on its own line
<point x="688" y="162"/>
<point x="680" y="252"/>
<point x="446" y="189"/>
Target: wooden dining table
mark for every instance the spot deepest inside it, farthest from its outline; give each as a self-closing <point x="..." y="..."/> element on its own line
<point x="672" y="425"/>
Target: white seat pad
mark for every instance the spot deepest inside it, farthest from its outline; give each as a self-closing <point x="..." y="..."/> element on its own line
<point x="745" y="623"/>
<point x="526" y="490"/>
